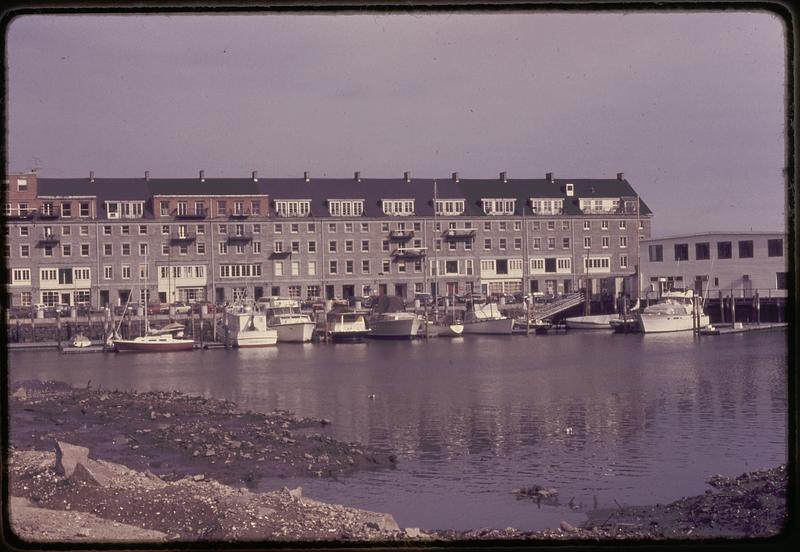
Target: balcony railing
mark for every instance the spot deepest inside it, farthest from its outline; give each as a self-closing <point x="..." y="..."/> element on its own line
<point x="181" y="238"/>
<point x="49" y="240"/>
<point x="188" y="215"/>
<point x="21" y="216"/>
<point x="240" y="238"/>
<point x="459" y="234"/>
<point x="409" y="253"/>
<point x="239" y="214"/>
<point x="401" y="235"/>
<point x="41" y="215"/>
<point x="280" y="254"/>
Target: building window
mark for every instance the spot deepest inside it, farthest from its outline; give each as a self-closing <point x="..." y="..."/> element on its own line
<point x="300" y="208"/>
<point x="312" y="246"/>
<point x="365" y="266"/>
<point x="565" y="225"/>
<point x="551" y="243"/>
<point x="277" y="247"/>
<point x="547" y="206"/>
<point x="537" y="243"/>
<point x="295" y="246"/>
<point x="108" y="249"/>
<point x="348" y="246"/>
<point x="201" y="248"/>
<point x="551" y="225"/>
<point x="257" y="228"/>
<point x="277" y="268"/>
<point x="66" y="250"/>
<point x="66" y="210"/>
<point x="348" y="266"/>
<point x="782" y="280"/>
<point x="332" y="246"/>
<point x="587" y="225"/>
<point x="126" y="249"/>
<point x="702" y="251"/>
<point x="24" y="231"/>
<point x="294" y="228"/>
<point x="48" y="251"/>
<point x="106" y="230"/>
<point x="333" y="267"/>
<point x="22" y="184"/>
<point x="385" y="246"/>
<point x="256" y="247"/>
<point x="746" y="249"/>
<point x="142" y="229"/>
<point x="165" y="249"/>
<point x="398" y="207"/>
<point x="681" y="251"/>
<point x="223" y="248"/>
<point x="345" y="208"/>
<point x="487" y="244"/>
<point x="623" y="261"/>
<point x="450" y="207"/>
<point x="623" y="224"/>
<point x="365" y="246"/>
<point x="126" y="272"/>
<point x="312" y="268"/>
<point x="603" y="225"/>
<point x="83" y="230"/>
<point x="775" y="248"/>
<point x="492" y="206"/>
<point x="222" y="208"/>
<point x="724" y="250"/>
<point x="587" y="242"/>
<point x="84" y="250"/>
<point x="502" y="244"/>
<point x="294" y="267"/>
<point x="311" y="227"/>
<point x="623" y="241"/>
<point x="565" y="243"/>
<point x="163" y="208"/>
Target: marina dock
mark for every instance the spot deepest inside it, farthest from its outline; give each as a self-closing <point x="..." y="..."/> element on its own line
<point x="739" y="327"/>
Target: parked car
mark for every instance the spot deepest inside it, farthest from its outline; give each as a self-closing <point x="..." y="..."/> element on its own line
<point x="425" y="299"/>
<point x="156" y="308"/>
<point x="182" y="308"/>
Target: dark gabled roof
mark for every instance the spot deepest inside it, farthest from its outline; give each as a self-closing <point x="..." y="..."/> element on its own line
<point x="209" y="186"/>
<point x="371" y="190"/>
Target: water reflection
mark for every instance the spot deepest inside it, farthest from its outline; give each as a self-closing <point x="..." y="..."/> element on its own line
<point x="624" y="417"/>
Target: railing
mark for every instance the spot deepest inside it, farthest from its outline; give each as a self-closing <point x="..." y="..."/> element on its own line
<point x="564" y="303"/>
<point x="177" y="237"/>
<point x="459" y="234"/>
<point x="401" y="235"/>
<point x="187" y="215"/>
<point x="280" y="254"/>
<point x="244" y="213"/>
<point x="408" y="253"/>
<point x="240" y="238"/>
<point x="736" y="293"/>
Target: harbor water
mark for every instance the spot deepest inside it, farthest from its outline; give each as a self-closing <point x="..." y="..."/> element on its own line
<point x="604" y="418"/>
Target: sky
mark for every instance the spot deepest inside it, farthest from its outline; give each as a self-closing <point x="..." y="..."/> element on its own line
<point x="690" y="106"/>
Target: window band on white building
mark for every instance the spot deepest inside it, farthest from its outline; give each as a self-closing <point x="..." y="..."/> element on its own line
<point x="450" y="207"/>
<point x="498" y="206"/>
<point x="547" y="206"/>
<point x="398" y="207"/>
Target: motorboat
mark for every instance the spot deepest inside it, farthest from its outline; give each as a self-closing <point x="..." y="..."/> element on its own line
<point x="247" y="327"/>
<point x="487" y="319"/>
<point x="444" y="329"/>
<point x="391" y="321"/>
<point x="284" y="316"/>
<point x="80" y="341"/>
<point x="628" y="324"/>
<point x="592" y="322"/>
<point x="673" y="313"/>
<point x="347" y="325"/>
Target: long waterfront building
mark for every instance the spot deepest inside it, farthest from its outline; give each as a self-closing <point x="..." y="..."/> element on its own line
<point x="99" y="240"/>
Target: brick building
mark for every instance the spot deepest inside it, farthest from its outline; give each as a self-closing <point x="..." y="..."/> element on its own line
<point x="97" y="240"/>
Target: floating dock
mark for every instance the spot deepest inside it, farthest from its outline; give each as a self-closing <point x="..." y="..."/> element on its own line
<point x="739" y="327"/>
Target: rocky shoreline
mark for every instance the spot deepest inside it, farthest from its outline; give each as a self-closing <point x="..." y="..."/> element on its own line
<point x="162" y="466"/>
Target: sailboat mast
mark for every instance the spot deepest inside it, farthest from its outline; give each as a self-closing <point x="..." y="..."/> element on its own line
<point x="638" y="253"/>
<point x="435" y="250"/>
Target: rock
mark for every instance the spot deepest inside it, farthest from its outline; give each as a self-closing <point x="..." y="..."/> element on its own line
<point x="68" y="456"/>
<point x="93" y="473"/>
<point x="412" y="532"/>
<point x="381" y="522"/>
<point x="199" y="477"/>
<point x="20" y="394"/>
<point x="568" y="527"/>
<point x="296" y="492"/>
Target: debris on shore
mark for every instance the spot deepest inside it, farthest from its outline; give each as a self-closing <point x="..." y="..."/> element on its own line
<point x="546" y="495"/>
<point x="173" y="434"/>
<point x="77" y="499"/>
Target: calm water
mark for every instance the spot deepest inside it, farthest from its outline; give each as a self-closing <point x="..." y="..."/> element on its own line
<point x="632" y="418"/>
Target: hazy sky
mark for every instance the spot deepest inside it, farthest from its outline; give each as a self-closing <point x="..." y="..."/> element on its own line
<point x="690" y="106"/>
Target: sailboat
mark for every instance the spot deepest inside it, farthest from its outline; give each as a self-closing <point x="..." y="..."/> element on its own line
<point x="151" y="342"/>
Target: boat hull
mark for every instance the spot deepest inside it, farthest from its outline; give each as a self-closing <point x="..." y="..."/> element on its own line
<point x="131" y="346"/>
<point x="301" y="332"/>
<point x="445" y="330"/>
<point x="257" y="338"/>
<point x="597" y="322"/>
<point x="670" y="323"/>
<point x="500" y="326"/>
<point x="348" y="335"/>
<point x="395" y="329"/>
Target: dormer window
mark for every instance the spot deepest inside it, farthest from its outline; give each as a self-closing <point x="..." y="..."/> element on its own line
<point x="346" y="207"/>
<point x="22" y="184"/>
<point x="293" y="208"/>
<point x="570" y="189"/>
<point x="450" y="207"/>
<point x="547" y="206"/>
<point x="599" y="205"/>
<point x="499" y="206"/>
<point x="125" y="209"/>
<point x="398" y="207"/>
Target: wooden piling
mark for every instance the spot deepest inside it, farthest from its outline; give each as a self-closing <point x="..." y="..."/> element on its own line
<point x="202" y="326"/>
<point x="733" y="309"/>
<point x="214" y="325"/>
<point x="758" y="308"/>
<point x="58" y="328"/>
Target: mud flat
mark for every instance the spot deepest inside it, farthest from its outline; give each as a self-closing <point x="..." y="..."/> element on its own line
<point x="173" y="435"/>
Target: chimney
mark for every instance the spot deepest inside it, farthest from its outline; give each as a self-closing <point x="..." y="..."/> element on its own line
<point x="91" y="176"/>
<point x="407" y="176"/>
<point x="306" y="177"/>
<point x="147" y="175"/>
<point x="202" y="176"/>
<point x="455" y="177"/>
<point x="255" y="176"/>
<point x="549" y="177"/>
<point x="503" y="178"/>
<point x="620" y="176"/>
<point x="357" y="176"/>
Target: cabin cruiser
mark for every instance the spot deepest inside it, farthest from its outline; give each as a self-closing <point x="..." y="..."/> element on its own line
<point x="284" y="316"/>
<point x="247" y="327"/>
<point x="390" y="320"/>
<point x="487" y="319"/>
<point x="80" y="341"/>
<point x="347" y="325"/>
<point x="673" y="313"/>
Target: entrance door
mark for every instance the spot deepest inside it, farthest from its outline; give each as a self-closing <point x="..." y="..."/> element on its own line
<point x="348" y="292"/>
<point x="104" y="298"/>
<point x="66" y="298"/>
<point x="219" y="294"/>
<point x="258" y="292"/>
<point x="550" y="287"/>
<point x="747" y="286"/>
<point x="383" y="289"/>
<point x="400" y="289"/>
<point x="534" y="286"/>
<point x="567" y="286"/>
<point x="329" y="292"/>
<point x="452" y="288"/>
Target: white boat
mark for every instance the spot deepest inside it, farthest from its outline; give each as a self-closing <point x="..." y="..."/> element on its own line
<point x="593" y="322"/>
<point x="397" y="325"/>
<point x="487" y="319"/>
<point x="284" y="316"/>
<point x="176" y="329"/>
<point x="347" y="325"/>
<point x="390" y="321"/>
<point x="247" y="327"/>
<point x="673" y="313"/>
<point x="80" y="341"/>
<point x="443" y="329"/>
